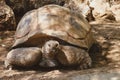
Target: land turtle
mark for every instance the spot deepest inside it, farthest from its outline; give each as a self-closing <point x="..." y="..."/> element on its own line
<point x="52" y="22"/>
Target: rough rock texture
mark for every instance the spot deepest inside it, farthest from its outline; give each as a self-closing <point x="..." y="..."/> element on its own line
<point x="92" y="9"/>
<point x="115" y="8"/>
<point x="108" y="10"/>
<point x="7" y="18"/>
<point x="100" y="6"/>
<point x="81" y="6"/>
<point x="95" y="9"/>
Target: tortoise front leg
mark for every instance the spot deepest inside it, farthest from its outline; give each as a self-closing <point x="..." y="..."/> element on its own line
<point x="74" y="56"/>
<point x="23" y="57"/>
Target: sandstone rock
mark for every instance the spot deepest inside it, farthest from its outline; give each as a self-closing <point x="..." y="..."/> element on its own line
<point x="81" y="6"/>
<point x="7" y="18"/>
<point x="93" y="9"/>
<point x="108" y="16"/>
<point x="102" y="10"/>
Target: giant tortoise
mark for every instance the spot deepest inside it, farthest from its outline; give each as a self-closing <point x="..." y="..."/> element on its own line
<point x="52" y="23"/>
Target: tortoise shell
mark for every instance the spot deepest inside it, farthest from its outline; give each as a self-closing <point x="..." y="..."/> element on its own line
<point x="53" y="22"/>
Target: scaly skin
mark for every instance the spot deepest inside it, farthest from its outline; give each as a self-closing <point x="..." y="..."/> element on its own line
<point x="24" y="57"/>
<point x="71" y="56"/>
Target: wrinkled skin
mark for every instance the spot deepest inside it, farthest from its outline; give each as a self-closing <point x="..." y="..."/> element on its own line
<point x="49" y="50"/>
<point x="71" y="55"/>
<point x="24" y="57"/>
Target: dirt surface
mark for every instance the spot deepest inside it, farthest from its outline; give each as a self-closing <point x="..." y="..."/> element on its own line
<point x="108" y="36"/>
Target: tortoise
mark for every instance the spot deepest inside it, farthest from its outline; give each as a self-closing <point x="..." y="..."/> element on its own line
<point x="52" y="22"/>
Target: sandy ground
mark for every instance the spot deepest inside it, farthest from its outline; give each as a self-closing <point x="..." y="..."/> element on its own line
<point x="107" y="61"/>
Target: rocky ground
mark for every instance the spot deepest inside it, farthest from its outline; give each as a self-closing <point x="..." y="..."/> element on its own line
<point x="106" y="64"/>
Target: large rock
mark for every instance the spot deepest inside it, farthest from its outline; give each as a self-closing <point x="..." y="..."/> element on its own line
<point x="7" y="19"/>
<point x="81" y="6"/>
<point x="102" y="10"/>
<point x="93" y="9"/>
<point x="116" y="10"/>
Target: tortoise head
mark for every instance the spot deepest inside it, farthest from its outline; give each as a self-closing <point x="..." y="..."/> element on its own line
<point x="50" y="49"/>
